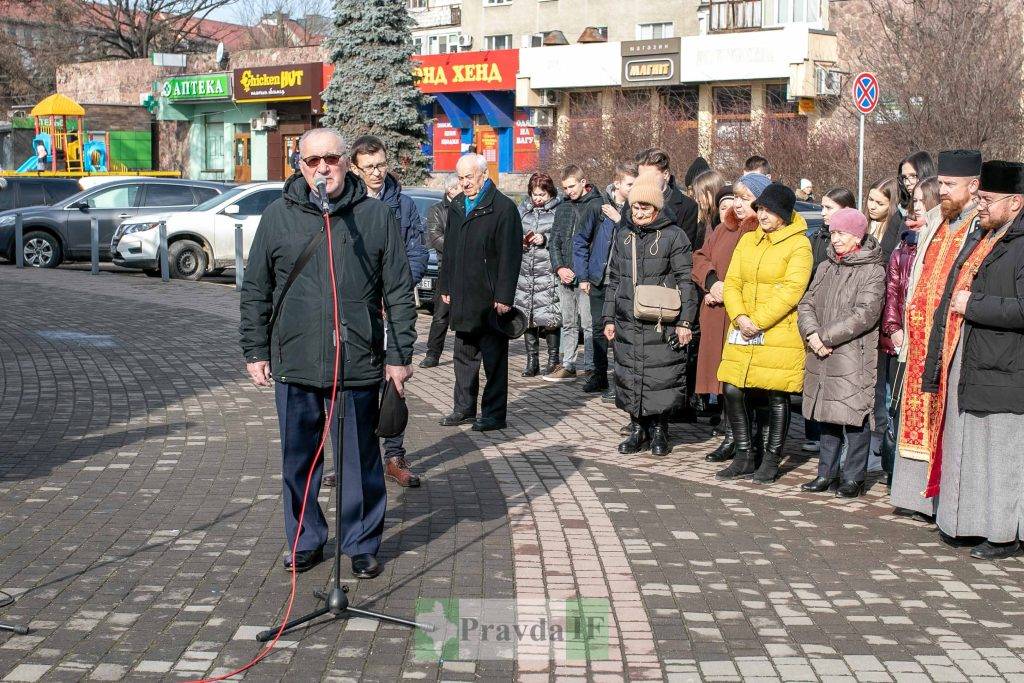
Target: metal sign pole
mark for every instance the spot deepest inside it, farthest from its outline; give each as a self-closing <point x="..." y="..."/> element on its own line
<point x="94" y="236"/>
<point x="239" y="263"/>
<point x="19" y="240"/>
<point x="860" y="166"/>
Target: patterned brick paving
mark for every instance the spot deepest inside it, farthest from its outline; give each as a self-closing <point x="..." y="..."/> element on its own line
<point x="140" y="527"/>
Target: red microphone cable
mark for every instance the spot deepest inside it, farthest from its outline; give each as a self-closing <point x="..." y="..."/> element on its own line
<point x="309" y="478"/>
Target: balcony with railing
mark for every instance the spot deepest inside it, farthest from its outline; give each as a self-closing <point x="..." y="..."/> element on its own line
<point x="735" y="15"/>
<point x="436" y="17"/>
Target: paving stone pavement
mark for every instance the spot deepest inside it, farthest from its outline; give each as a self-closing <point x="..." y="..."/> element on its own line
<point x="140" y="527"/>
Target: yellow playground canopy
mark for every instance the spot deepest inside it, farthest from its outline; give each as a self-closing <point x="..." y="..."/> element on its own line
<point x="57" y="105"/>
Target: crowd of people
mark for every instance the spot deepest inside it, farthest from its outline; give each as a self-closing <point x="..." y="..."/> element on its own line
<point x="899" y="326"/>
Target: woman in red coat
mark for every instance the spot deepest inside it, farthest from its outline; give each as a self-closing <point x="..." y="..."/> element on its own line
<point x="710" y="264"/>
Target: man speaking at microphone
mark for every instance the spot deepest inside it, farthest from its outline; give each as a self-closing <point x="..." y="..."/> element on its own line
<point x="288" y="335"/>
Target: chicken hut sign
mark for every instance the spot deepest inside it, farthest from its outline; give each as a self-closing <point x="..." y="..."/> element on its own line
<point x="466" y="71"/>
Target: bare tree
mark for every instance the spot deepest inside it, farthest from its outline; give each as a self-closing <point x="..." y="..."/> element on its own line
<point x="283" y="23"/>
<point x="131" y="29"/>
<point x="950" y="71"/>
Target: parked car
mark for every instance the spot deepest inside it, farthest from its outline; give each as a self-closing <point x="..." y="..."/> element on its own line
<point x="200" y="241"/>
<point x="58" y="233"/>
<point x="812" y="214"/>
<point x="19" y="193"/>
<point x="425" y="198"/>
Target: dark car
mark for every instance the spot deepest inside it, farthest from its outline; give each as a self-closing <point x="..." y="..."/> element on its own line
<point x="62" y="232"/>
<point x="18" y="193"/>
<point x="426" y="198"/>
<point x="812" y="214"/>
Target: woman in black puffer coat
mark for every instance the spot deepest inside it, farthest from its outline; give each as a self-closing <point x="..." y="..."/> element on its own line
<point x="650" y="358"/>
<point x="537" y="288"/>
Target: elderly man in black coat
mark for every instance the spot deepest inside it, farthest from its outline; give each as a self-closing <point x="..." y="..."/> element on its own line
<point x="483" y="253"/>
<point x="980" y="493"/>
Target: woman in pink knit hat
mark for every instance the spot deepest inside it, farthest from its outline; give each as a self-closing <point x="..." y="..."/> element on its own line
<point x="838" y="318"/>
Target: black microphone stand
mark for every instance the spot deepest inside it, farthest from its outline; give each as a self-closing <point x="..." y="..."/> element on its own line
<point x="336" y="600"/>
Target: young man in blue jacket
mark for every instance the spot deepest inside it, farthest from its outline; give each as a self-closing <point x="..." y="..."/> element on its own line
<point x="370" y="162"/>
<point x="591" y="248"/>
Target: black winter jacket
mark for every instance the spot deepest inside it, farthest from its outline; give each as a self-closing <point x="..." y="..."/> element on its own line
<point x="483" y="253"/>
<point x="373" y="275"/>
<point x="992" y="372"/>
<point x="437" y="219"/>
<point x="650" y="376"/>
<point x="571" y="216"/>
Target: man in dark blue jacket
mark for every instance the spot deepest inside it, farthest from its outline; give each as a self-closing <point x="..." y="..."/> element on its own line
<point x="591" y="246"/>
<point x="370" y="162"/>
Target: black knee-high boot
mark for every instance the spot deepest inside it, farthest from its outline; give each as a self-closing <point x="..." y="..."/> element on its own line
<point x="778" y="428"/>
<point x="744" y="462"/>
<point x="532" y="353"/>
<point x="727" y="449"/>
<point x="554" y="340"/>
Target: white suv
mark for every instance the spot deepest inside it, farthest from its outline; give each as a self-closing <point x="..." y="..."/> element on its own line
<point x="200" y="241"/>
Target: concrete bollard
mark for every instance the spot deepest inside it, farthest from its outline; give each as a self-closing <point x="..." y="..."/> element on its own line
<point x="165" y="268"/>
<point x="94" y="236"/>
<point x="239" y="262"/>
<point x="19" y="240"/>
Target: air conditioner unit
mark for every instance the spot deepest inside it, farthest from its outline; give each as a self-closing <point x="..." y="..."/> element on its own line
<point x="256" y="124"/>
<point x="828" y="82"/>
<point x="529" y="40"/>
<point x="541" y="118"/>
<point x="550" y="98"/>
<point x="268" y="117"/>
<point x="465" y="41"/>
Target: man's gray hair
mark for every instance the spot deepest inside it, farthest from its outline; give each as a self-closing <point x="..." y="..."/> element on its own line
<point x="450" y="180"/>
<point x="479" y="161"/>
<point x="313" y="132"/>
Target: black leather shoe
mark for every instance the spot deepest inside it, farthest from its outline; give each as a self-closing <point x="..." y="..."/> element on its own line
<point x="817" y="485"/>
<point x="488" y="424"/>
<point x="366" y="566"/>
<point x="659" y="439"/>
<point x="725" y="451"/>
<point x="850" y="489"/>
<point x="598" y="383"/>
<point x="957" y="541"/>
<point x="609" y="395"/>
<point x="455" y="419"/>
<point x="304" y="560"/>
<point x="995" y="551"/>
<point x="430" y="362"/>
<point x="637" y="439"/>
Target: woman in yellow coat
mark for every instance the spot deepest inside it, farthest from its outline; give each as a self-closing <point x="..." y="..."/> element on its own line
<point x="764" y="353"/>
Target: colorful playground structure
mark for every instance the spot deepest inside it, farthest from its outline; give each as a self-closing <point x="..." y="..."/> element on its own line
<point x="62" y="146"/>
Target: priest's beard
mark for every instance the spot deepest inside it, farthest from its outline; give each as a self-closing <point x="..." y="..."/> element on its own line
<point x="951" y="208"/>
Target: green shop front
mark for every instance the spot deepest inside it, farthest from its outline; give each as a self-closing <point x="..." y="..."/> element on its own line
<point x="220" y="144"/>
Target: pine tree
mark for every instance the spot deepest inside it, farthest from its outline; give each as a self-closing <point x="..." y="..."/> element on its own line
<point x="372" y="89"/>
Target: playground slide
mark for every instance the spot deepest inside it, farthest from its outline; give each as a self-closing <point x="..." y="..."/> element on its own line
<point x="28" y="166"/>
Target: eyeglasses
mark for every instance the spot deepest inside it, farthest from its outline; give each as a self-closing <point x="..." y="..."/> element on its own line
<point x="912" y="177"/>
<point x="986" y="201"/>
<point x="315" y="161"/>
<point x="379" y="168"/>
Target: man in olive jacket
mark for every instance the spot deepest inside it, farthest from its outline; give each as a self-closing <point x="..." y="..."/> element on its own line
<point x="298" y="351"/>
<point x="483" y="249"/>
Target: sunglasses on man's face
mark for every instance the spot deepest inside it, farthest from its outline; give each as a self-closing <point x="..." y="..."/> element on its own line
<point x="315" y="161"/>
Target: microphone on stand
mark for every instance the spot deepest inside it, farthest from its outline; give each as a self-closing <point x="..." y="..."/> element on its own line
<point x="320" y="183"/>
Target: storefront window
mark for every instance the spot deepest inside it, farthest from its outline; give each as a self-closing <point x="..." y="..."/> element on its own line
<point x="775" y="101"/>
<point x="584" y="105"/>
<point x="732" y="102"/>
<point x="681" y="104"/>
<point x="213" y="145"/>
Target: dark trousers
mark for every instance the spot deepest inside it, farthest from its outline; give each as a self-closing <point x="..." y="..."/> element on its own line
<point x="301" y="412"/>
<point x="858" y="446"/>
<point x="492" y="348"/>
<point x="438" y="327"/>
<point x="600" y="341"/>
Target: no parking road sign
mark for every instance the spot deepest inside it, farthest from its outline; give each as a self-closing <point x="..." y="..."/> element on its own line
<point x="865" y="92"/>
